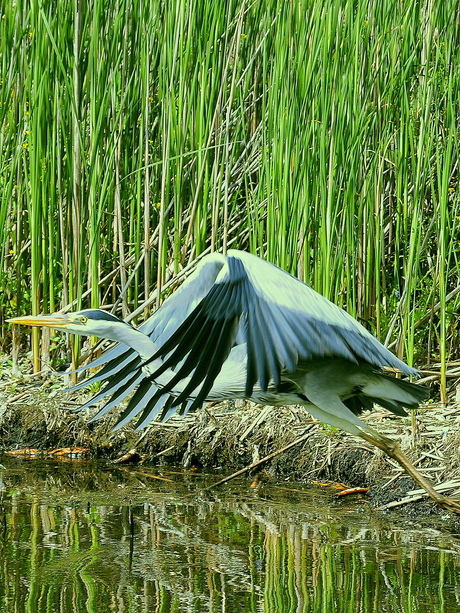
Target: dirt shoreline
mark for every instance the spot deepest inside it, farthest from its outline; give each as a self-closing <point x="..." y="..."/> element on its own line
<point x="231" y="436"/>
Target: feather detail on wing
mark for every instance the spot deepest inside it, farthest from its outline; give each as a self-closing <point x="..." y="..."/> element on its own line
<point x="280" y="319"/>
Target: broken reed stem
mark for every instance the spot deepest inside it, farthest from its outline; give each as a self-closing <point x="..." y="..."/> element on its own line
<point x="265" y="459"/>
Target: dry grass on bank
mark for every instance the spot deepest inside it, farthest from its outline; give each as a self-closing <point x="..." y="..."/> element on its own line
<point x="228" y="437"/>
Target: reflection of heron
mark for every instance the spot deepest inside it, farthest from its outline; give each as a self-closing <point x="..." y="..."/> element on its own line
<point x="240" y="327"/>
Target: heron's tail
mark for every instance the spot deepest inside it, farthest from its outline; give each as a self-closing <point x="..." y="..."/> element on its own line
<point x="393" y="394"/>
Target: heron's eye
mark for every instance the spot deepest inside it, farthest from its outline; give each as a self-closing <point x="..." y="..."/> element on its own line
<point x="82" y="319"/>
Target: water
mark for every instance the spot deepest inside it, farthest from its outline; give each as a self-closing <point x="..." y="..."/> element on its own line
<point x="98" y="538"/>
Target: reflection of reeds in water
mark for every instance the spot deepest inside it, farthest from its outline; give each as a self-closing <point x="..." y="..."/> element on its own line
<point x="177" y="552"/>
<point x="326" y="568"/>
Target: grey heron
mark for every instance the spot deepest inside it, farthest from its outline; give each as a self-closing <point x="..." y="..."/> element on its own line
<point x="240" y="327"/>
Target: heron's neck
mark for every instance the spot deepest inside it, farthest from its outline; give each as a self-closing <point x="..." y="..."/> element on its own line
<point x="137" y="340"/>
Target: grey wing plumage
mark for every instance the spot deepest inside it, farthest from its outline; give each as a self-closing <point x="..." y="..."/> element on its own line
<point x="122" y="371"/>
<point x="280" y="319"/>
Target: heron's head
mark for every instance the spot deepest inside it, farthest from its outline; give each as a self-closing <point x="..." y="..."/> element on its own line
<point x="89" y="322"/>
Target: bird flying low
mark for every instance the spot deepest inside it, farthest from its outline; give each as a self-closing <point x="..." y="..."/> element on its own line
<point x="240" y="327"/>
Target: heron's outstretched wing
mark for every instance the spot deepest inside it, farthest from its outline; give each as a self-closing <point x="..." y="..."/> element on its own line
<point x="280" y="319"/>
<point x="122" y="365"/>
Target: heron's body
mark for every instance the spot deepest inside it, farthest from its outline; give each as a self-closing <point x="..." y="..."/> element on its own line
<point x="240" y="327"/>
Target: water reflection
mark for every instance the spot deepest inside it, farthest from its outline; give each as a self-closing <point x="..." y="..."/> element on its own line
<point x="77" y="538"/>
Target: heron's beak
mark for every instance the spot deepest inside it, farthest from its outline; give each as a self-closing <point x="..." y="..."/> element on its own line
<point x="55" y="320"/>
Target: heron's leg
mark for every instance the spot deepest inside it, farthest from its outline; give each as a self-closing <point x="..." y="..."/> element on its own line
<point x="392" y="449"/>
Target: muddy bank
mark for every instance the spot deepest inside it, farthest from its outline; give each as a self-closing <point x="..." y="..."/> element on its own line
<point x="228" y="437"/>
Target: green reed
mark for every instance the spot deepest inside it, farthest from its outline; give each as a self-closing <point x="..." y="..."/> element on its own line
<point x="323" y="136"/>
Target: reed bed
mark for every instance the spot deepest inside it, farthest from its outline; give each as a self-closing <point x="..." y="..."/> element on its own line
<point x="321" y="135"/>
